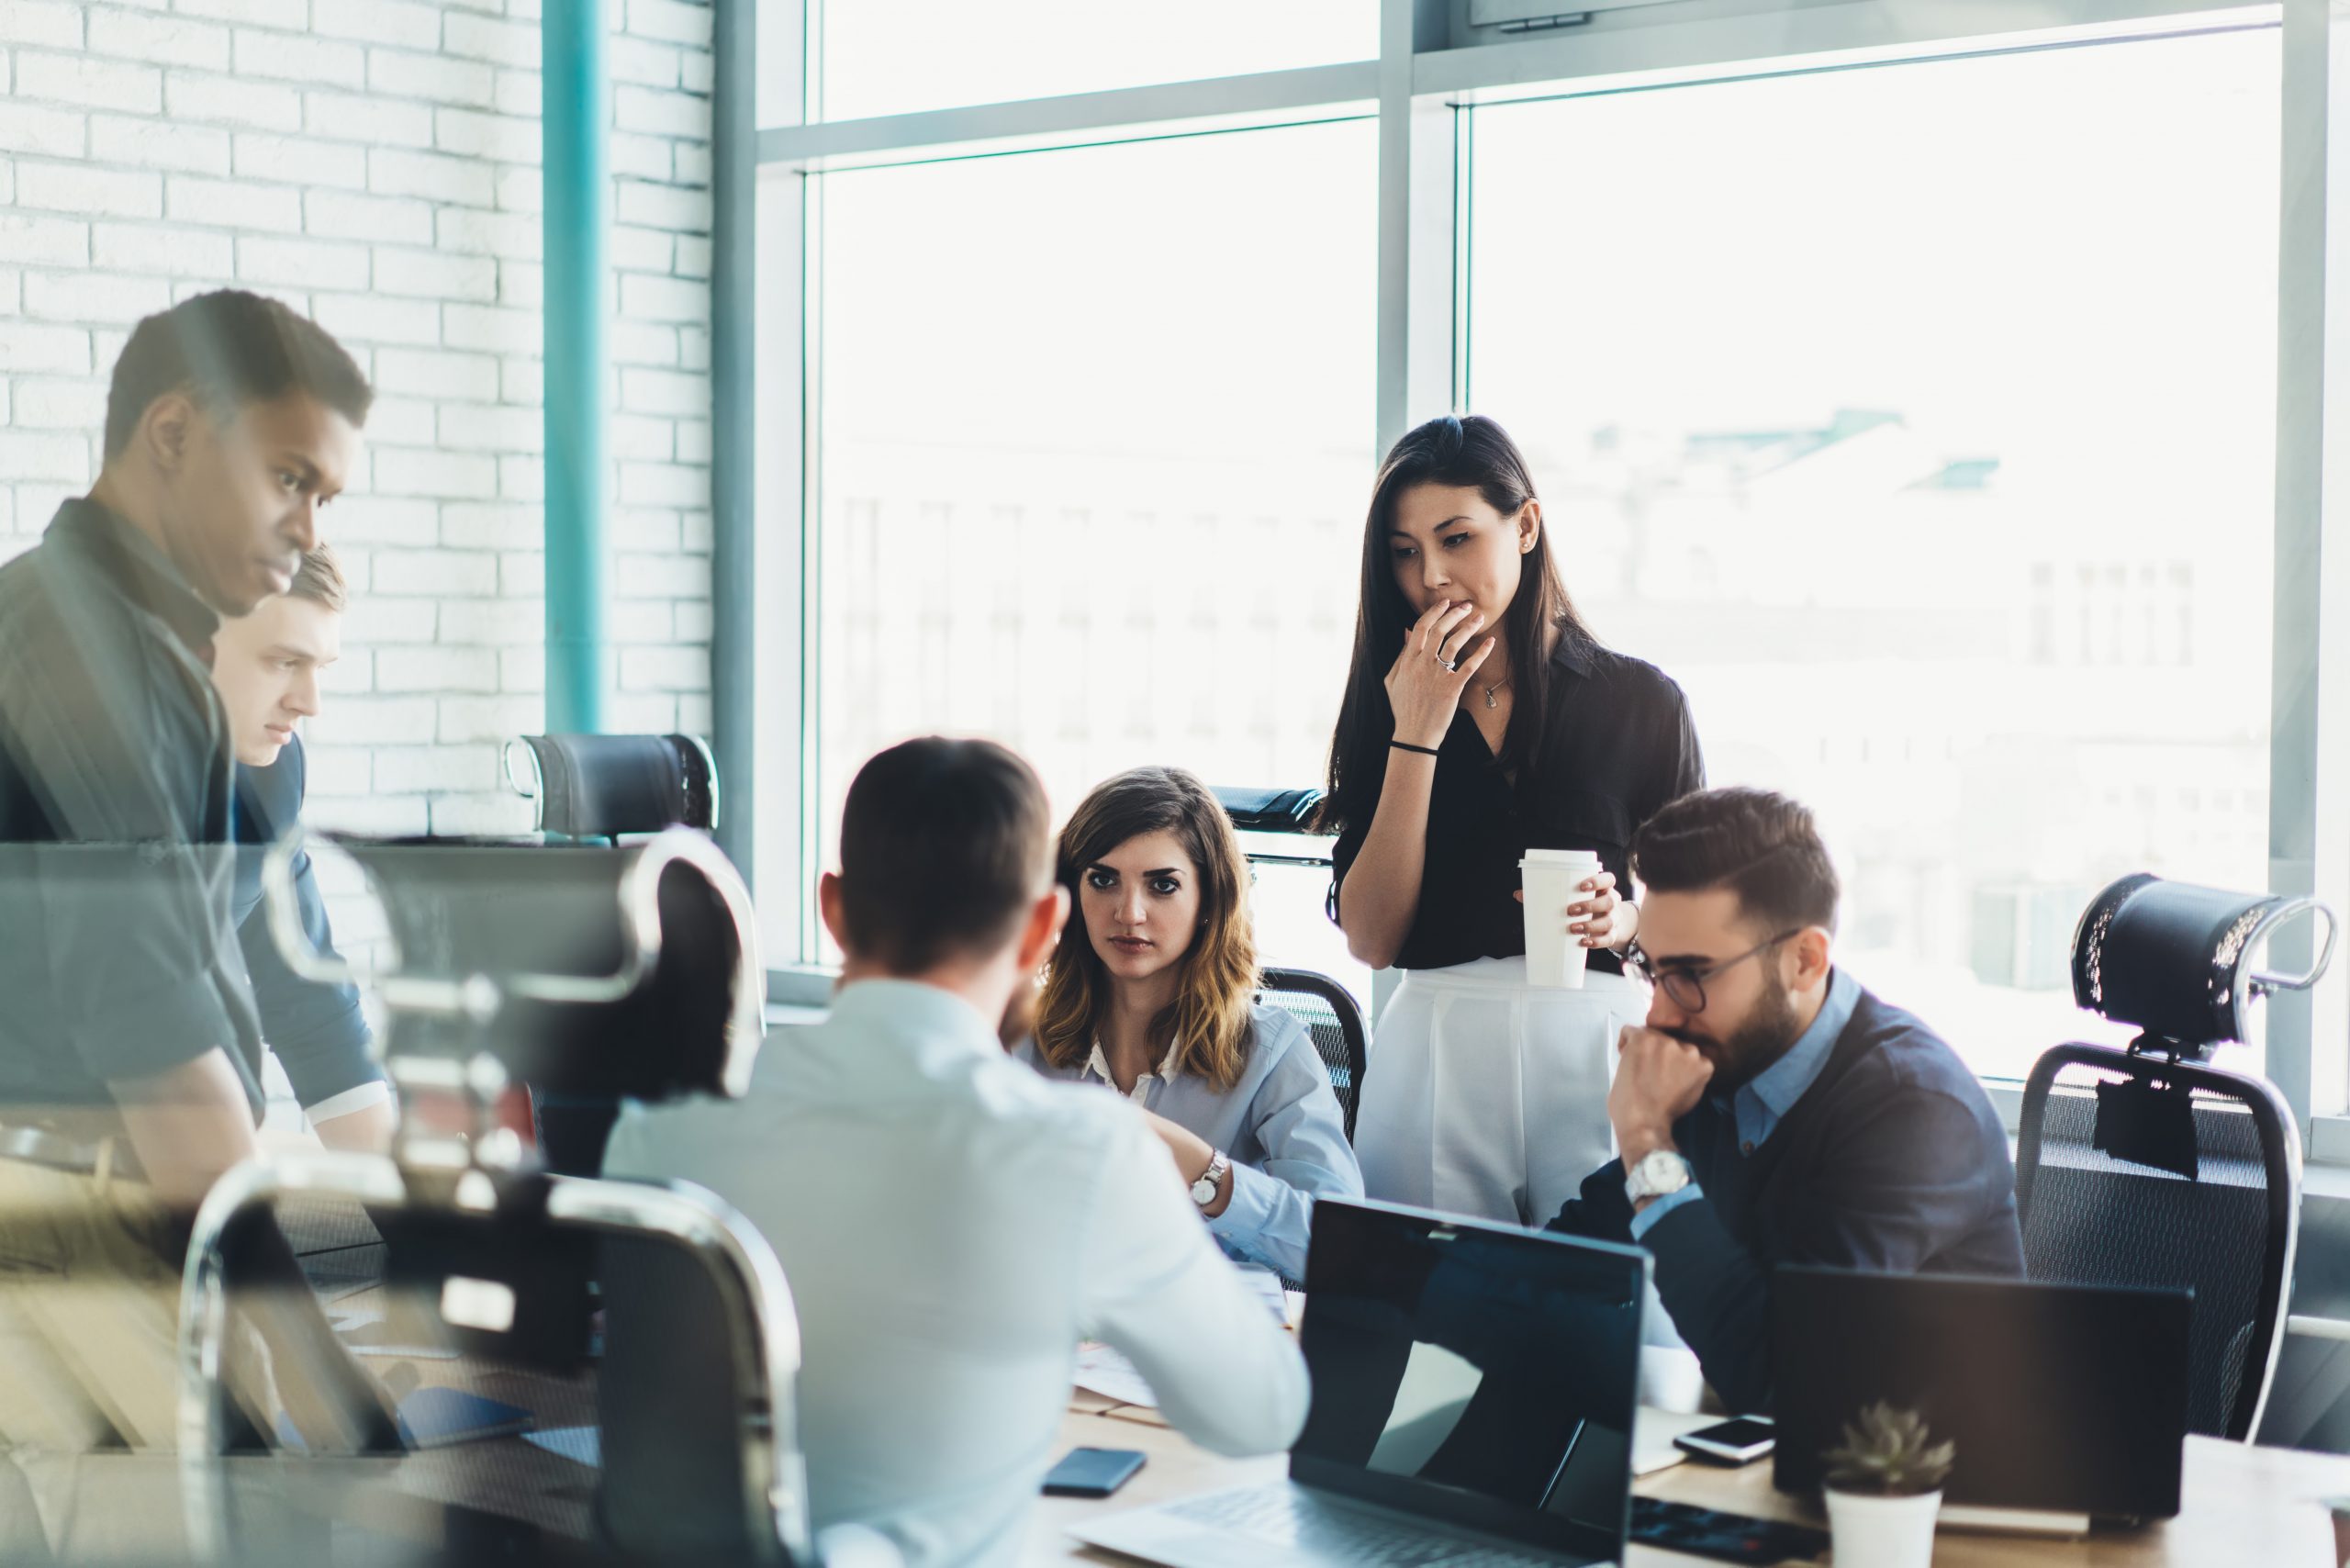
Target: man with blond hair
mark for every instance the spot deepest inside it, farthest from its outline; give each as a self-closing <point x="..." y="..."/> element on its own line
<point x="268" y="665"/>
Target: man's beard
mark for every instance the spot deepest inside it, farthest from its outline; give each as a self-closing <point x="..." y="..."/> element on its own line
<point x="1754" y="1045"/>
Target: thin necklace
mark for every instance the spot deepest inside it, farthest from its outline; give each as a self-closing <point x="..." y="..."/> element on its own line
<point x="1490" y="689"/>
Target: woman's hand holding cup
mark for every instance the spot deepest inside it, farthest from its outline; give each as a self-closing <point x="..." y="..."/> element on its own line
<point x="1600" y="920"/>
<point x="1440" y="652"/>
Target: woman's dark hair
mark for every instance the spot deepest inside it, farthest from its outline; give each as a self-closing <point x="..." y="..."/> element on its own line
<point x="1456" y="449"/>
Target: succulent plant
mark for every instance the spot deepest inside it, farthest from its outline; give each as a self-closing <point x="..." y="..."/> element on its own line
<point x="1886" y="1454"/>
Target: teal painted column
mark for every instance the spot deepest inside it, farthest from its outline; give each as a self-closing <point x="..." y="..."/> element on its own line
<point x="576" y="93"/>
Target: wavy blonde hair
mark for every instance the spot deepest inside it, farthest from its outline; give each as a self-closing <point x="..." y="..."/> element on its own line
<point x="1209" y="1020"/>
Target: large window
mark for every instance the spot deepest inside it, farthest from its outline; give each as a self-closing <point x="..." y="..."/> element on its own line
<point x="1907" y="385"/>
<point x="1919" y="421"/>
<point x="1095" y="433"/>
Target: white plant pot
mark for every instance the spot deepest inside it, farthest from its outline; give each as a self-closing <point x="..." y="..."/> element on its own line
<point x="1882" y="1532"/>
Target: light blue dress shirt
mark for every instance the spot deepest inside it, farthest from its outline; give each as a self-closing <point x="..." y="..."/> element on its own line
<point x="952" y="1225"/>
<point x="1281" y="1125"/>
<point x="1758" y="1106"/>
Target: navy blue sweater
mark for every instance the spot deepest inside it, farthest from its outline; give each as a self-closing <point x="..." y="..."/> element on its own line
<point x="1893" y="1160"/>
<point x="317" y="1031"/>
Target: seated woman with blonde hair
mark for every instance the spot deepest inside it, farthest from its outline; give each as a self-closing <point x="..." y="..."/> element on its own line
<point x="1152" y="992"/>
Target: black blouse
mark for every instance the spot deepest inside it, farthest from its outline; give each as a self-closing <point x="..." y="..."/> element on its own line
<point x="1618" y="745"/>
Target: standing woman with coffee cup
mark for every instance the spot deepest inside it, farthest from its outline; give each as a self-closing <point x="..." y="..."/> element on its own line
<point x="1484" y="726"/>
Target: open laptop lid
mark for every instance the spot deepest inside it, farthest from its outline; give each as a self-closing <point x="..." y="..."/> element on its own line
<point x="1481" y="1375"/>
<point x="2070" y="1399"/>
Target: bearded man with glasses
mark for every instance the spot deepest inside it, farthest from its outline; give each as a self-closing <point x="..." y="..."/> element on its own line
<point x="1772" y="1110"/>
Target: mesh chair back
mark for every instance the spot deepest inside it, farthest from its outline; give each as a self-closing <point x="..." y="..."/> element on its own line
<point x="2227" y="1232"/>
<point x="604" y="786"/>
<point x="565" y="1302"/>
<point x="1329" y="1011"/>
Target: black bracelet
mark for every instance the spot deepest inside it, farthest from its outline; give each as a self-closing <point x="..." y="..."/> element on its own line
<point x="1406" y="746"/>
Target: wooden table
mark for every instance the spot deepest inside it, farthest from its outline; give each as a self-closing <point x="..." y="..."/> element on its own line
<point x="2248" y="1506"/>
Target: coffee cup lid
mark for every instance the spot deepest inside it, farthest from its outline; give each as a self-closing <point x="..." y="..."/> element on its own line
<point x="1559" y="858"/>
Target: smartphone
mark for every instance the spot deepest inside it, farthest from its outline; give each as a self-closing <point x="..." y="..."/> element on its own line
<point x="1091" y="1472"/>
<point x="1740" y="1441"/>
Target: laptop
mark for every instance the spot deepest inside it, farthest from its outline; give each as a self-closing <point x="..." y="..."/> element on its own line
<point x="2067" y="1403"/>
<point x="1474" y="1394"/>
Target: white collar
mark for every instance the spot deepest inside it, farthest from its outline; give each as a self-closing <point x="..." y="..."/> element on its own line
<point x="1098" y="1066"/>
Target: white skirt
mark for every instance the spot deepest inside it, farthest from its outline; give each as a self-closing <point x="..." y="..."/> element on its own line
<point x="1486" y="1097"/>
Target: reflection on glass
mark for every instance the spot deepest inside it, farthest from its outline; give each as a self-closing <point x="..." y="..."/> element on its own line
<point x="1095" y="438"/>
<point x="1496" y="1366"/>
<point x="1929" y="446"/>
<point x="932" y="54"/>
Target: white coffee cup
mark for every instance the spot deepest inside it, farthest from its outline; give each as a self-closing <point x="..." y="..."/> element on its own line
<point x="1554" y="878"/>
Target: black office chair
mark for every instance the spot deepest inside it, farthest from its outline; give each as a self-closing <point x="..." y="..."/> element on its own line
<point x="457" y="1266"/>
<point x="1327" y="1010"/>
<point x="604" y="787"/>
<point x="1335" y="1024"/>
<point x="2150" y="1167"/>
<point x="607" y="786"/>
<point x="573" y="1024"/>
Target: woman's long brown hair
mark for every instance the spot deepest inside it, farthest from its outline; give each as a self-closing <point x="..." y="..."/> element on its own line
<point x="1458" y="450"/>
<point x="1208" y="1022"/>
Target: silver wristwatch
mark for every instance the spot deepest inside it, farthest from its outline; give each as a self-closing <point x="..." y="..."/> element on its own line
<point x="1660" y="1173"/>
<point x="1203" y="1191"/>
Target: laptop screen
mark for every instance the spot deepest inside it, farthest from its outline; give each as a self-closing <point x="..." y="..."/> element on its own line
<point x="1479" y="1374"/>
<point x="2059" y="1396"/>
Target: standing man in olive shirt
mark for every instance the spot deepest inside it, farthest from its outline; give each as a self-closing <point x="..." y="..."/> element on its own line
<point x="130" y="1048"/>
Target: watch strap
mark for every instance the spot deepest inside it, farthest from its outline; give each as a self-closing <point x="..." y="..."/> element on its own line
<point x="1639" y="1181"/>
<point x="1211" y="1180"/>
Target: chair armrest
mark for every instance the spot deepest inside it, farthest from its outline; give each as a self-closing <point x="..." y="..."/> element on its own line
<point x="2318" y="1327"/>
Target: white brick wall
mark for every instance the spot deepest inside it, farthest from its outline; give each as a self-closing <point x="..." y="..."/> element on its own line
<point x="375" y="163"/>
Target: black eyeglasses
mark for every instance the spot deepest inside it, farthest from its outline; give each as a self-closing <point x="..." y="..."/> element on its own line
<point x="1686" y="986"/>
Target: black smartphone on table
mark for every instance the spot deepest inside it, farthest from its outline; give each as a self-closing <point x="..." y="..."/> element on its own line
<point x="1740" y="1441"/>
<point x="1091" y="1472"/>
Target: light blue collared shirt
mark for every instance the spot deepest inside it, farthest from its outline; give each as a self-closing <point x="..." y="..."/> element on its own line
<point x="952" y="1225"/>
<point x="1281" y="1125"/>
<point x="1760" y="1105"/>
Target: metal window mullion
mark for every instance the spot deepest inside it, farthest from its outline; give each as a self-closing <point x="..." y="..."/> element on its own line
<point x="807" y="706"/>
<point x="766" y="653"/>
<point x="2309" y="850"/>
<point x="733" y="398"/>
<point x="1630" y="43"/>
<point x="1270" y="94"/>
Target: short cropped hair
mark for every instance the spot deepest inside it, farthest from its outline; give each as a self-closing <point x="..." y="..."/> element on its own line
<point x="1762" y="846"/>
<point x="226" y="349"/>
<point x="946" y="845"/>
<point x="319" y="579"/>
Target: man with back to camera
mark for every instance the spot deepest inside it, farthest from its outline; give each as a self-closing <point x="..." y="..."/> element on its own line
<point x="266" y="665"/>
<point x="1772" y="1110"/>
<point x="128" y="1044"/>
<point x="950" y="1223"/>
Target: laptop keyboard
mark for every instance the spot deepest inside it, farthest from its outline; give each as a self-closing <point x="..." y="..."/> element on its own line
<point x="1272" y="1514"/>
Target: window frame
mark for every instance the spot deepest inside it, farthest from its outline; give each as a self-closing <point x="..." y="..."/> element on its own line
<point x="1430" y="66"/>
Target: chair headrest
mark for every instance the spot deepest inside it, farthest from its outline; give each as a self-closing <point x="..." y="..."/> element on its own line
<point x="2175" y="960"/>
<point x="584" y="969"/>
<point x="1269" y="810"/>
<point x="597" y="786"/>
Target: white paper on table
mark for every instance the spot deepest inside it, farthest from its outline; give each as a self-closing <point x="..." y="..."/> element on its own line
<point x="1265" y="1286"/>
<point x="1652" y="1433"/>
<point x="1106" y="1372"/>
